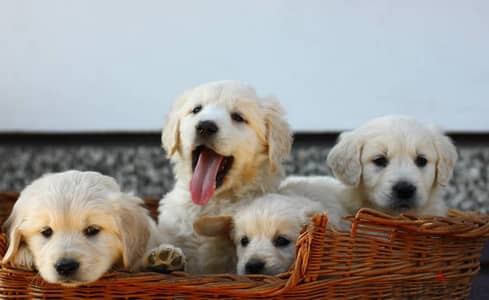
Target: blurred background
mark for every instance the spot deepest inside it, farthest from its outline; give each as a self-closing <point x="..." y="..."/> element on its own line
<point x="75" y="66"/>
<point x="87" y="84"/>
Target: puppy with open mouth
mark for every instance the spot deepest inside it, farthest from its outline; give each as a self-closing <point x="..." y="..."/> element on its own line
<point x="74" y="226"/>
<point x="226" y="145"/>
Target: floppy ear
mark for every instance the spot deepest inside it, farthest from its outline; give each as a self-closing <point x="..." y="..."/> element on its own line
<point x="170" y="137"/>
<point x="133" y="224"/>
<point x="213" y="226"/>
<point x="447" y="157"/>
<point x="18" y="255"/>
<point x="344" y="158"/>
<point x="278" y="133"/>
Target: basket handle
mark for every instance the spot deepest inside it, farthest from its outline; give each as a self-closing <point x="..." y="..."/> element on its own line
<point x="307" y="265"/>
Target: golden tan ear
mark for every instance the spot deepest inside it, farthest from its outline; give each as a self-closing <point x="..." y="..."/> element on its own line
<point x="213" y="226"/>
<point x="170" y="137"/>
<point x="279" y="135"/>
<point x="447" y="156"/>
<point x="18" y="255"/>
<point x="134" y="229"/>
<point x="344" y="158"/>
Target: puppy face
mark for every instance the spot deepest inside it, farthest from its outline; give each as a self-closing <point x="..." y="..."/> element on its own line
<point x="396" y="162"/>
<point x="264" y="233"/>
<point x="399" y="170"/>
<point x="265" y="243"/>
<point x="74" y="248"/>
<point x="219" y="134"/>
<point x="69" y="226"/>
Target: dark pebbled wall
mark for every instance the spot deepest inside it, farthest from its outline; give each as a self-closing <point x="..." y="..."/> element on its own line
<point x="144" y="170"/>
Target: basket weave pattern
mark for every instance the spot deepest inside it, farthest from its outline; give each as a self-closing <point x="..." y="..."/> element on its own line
<point x="382" y="257"/>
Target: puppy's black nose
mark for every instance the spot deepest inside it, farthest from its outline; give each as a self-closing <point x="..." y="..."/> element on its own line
<point x="66" y="266"/>
<point x="206" y="128"/>
<point x="254" y="266"/>
<point x="404" y="190"/>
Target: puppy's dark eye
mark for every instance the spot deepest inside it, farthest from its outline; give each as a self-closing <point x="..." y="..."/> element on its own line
<point x="421" y="161"/>
<point x="238" y="117"/>
<point x="381" y="161"/>
<point x="244" y="241"/>
<point x="281" y="241"/>
<point x="91" y="230"/>
<point x="197" y="109"/>
<point x="47" y="232"/>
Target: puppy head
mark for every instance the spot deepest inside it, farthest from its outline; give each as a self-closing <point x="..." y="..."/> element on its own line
<point x="74" y="226"/>
<point x="220" y="134"/>
<point x="395" y="162"/>
<point x="264" y="233"/>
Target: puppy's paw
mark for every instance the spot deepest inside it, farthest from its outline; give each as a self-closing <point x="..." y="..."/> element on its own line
<point x="165" y="258"/>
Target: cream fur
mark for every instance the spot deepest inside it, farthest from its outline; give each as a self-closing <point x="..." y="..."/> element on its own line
<point x="258" y="146"/>
<point x="262" y="222"/>
<point x="327" y="191"/>
<point x="68" y="203"/>
<point x="400" y="139"/>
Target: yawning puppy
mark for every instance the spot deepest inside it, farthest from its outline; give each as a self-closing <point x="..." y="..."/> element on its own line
<point x="394" y="164"/>
<point x="226" y="145"/>
<point x="264" y="232"/>
<point x="74" y="226"/>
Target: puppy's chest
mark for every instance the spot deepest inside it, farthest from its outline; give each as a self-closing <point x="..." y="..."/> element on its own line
<point x="216" y="209"/>
<point x="223" y="207"/>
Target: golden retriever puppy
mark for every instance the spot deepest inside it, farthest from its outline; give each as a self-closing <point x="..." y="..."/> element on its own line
<point x="74" y="226"/>
<point x="226" y="145"/>
<point x="393" y="164"/>
<point x="265" y="232"/>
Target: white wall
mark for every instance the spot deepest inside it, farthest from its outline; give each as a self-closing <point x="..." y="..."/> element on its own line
<point x="117" y="65"/>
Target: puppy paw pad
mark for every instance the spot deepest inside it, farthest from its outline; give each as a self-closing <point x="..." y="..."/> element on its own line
<point x="165" y="259"/>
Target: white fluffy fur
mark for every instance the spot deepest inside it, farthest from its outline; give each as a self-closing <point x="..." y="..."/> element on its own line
<point x="261" y="223"/>
<point x="400" y="139"/>
<point x="258" y="147"/>
<point x="68" y="203"/>
<point x="327" y="191"/>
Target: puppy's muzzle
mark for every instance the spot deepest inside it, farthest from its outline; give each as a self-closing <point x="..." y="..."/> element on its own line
<point x="66" y="266"/>
<point x="206" y="128"/>
<point x="255" y="266"/>
<point x="404" y="194"/>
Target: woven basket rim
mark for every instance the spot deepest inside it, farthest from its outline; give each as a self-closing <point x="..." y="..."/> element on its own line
<point x="459" y="224"/>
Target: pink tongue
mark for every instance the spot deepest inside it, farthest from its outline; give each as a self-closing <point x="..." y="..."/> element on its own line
<point x="203" y="183"/>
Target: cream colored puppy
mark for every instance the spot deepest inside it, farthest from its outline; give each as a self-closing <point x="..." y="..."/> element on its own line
<point x="227" y="145"/>
<point x="74" y="226"/>
<point x="394" y="164"/>
<point x="265" y="232"/>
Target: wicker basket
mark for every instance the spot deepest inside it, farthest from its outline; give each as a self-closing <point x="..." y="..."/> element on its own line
<point x="383" y="257"/>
